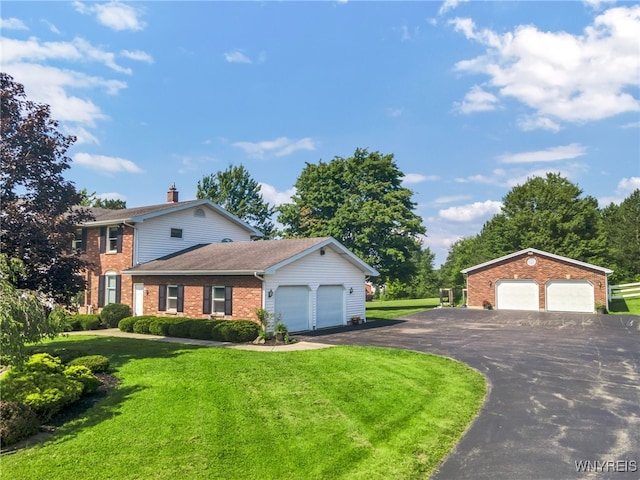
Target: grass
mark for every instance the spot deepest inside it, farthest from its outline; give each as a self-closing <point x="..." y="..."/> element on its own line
<point x="390" y="309"/>
<point x="206" y="413"/>
<point x="625" y="306"/>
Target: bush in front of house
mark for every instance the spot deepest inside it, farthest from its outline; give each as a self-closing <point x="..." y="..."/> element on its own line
<point x="202" y="329"/>
<point x="181" y="328"/>
<point x="41" y="385"/>
<point x="126" y="324"/>
<point x="112" y="313"/>
<point x="161" y="325"/>
<point x="82" y="374"/>
<point x="17" y="422"/>
<point x="95" y="363"/>
<point x="141" y="324"/>
<point x="82" y="321"/>
<point x="234" y="331"/>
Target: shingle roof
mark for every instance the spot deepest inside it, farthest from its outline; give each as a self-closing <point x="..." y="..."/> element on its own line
<point x="106" y="215"/>
<point x="240" y="257"/>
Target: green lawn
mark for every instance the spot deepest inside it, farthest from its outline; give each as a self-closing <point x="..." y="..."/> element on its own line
<point x="204" y="413"/>
<point x="391" y="309"/>
<point x="625" y="306"/>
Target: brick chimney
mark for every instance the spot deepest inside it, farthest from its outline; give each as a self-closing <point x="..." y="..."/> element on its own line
<point x="172" y="194"/>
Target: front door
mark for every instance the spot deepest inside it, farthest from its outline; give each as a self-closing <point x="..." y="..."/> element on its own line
<point x="138" y="299"/>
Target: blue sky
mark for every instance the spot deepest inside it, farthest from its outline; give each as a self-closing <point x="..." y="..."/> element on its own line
<point x="471" y="97"/>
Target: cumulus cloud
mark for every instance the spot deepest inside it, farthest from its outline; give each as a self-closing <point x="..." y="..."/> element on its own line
<point x="558" y="75"/>
<point x="273" y="196"/>
<point x="470" y="212"/>
<point x="477" y="100"/>
<point x="12" y="24"/>
<point x="106" y="164"/>
<point x="279" y="147"/>
<point x="528" y="123"/>
<point x="115" y="15"/>
<point x="449" y="5"/>
<point x="111" y="196"/>
<point x="412" y="178"/>
<point x="236" y="57"/>
<point x="137" y="55"/>
<point x="552" y="154"/>
<point x="629" y="184"/>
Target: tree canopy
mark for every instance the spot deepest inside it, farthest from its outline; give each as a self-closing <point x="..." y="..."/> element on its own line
<point x="38" y="218"/>
<point x="91" y="200"/>
<point x="361" y="202"/>
<point x="622" y="234"/>
<point x="235" y="191"/>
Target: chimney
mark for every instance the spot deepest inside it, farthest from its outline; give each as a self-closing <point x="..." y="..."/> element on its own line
<point x="172" y="194"/>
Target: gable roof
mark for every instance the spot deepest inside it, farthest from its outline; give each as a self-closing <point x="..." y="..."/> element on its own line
<point x="542" y="253"/>
<point x="243" y="258"/>
<point x="103" y="216"/>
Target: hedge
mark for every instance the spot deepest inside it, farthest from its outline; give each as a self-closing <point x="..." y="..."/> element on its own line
<point x="112" y="313"/>
<point x="235" y="331"/>
<point x="95" y="363"/>
<point x="83" y="321"/>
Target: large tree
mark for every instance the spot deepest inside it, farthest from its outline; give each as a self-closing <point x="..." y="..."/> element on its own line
<point x="38" y="218"/>
<point x="622" y="233"/>
<point x="361" y="202"/>
<point x="91" y="200"/>
<point x="238" y="193"/>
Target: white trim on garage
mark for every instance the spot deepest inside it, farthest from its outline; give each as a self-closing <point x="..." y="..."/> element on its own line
<point x="569" y="296"/>
<point x="517" y="295"/>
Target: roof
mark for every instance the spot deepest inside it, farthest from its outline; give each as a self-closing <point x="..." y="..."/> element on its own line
<point x="542" y="253"/>
<point x="243" y="258"/>
<point x="103" y="216"/>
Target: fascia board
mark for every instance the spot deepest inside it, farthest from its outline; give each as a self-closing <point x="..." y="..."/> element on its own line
<point x="192" y="272"/>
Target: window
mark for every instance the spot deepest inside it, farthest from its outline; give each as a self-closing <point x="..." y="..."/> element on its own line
<point x="172" y="297"/>
<point x="111" y="289"/>
<point x="199" y="213"/>
<point x="112" y="239"/>
<point x="78" y="239"/>
<point x="176" y="233"/>
<point x="218" y="300"/>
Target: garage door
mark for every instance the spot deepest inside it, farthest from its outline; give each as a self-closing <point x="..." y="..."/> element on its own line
<point x="292" y="305"/>
<point x="330" y="306"/>
<point x="570" y="296"/>
<point x="517" y="295"/>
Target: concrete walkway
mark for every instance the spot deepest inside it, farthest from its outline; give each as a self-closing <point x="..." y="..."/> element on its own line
<point x="289" y="347"/>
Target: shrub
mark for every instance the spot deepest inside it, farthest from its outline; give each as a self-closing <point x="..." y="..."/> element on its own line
<point x="112" y="313"/>
<point x="234" y="331"/>
<point x="17" y="422"/>
<point x="83" y="321"/>
<point x="141" y="325"/>
<point x="95" y="363"/>
<point x="82" y="374"/>
<point x="202" y="329"/>
<point x="181" y="328"/>
<point x="41" y="385"/>
<point x="126" y="324"/>
<point x="160" y="325"/>
<point x="72" y="323"/>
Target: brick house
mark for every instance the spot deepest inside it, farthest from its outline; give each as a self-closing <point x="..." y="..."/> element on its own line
<point x="196" y="260"/>
<point x="537" y="281"/>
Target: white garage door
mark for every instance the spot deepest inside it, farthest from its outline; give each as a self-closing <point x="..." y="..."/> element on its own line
<point x="517" y="295"/>
<point x="292" y="305"/>
<point x="570" y="296"/>
<point x="330" y="306"/>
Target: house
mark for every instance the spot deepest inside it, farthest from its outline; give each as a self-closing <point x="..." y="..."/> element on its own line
<point x="196" y="260"/>
<point x="535" y="280"/>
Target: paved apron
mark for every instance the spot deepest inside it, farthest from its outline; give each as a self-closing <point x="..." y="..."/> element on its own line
<point x="564" y="388"/>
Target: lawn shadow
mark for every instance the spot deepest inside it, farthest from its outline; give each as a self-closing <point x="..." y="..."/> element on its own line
<point x="369" y="325"/>
<point x="392" y="308"/>
<point x="619" y="306"/>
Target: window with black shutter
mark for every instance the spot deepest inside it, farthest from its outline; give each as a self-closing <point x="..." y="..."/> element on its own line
<point x="162" y="298"/>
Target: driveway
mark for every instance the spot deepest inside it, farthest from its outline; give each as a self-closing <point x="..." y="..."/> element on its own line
<point x="564" y="388"/>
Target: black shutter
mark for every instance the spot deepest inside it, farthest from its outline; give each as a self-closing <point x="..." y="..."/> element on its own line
<point x="101" y="288"/>
<point x="228" y="294"/>
<point x="84" y="240"/>
<point x="206" y="299"/>
<point x="103" y="239"/>
<point x="180" y="306"/>
<point x="118" y="286"/>
<point x="119" y="240"/>
<point x="162" y="298"/>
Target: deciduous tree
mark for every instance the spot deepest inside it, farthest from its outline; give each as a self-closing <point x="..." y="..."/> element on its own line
<point x="622" y="233"/>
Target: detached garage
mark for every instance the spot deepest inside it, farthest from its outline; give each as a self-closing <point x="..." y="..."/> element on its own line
<point x="535" y="280"/>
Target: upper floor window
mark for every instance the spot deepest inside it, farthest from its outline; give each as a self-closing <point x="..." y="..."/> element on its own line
<point x="112" y="239"/>
<point x="78" y="239"/>
<point x="176" y="233"/>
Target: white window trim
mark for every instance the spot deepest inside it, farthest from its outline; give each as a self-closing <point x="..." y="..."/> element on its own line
<point x="172" y="309"/>
<point x="108" y="277"/>
<point x="213" y="300"/>
<point x="109" y="238"/>
<point x="76" y="243"/>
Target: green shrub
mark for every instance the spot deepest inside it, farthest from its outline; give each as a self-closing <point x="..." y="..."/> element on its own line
<point x="112" y="313"/>
<point x="41" y="385"/>
<point x="235" y="331"/>
<point x="141" y="325"/>
<point x="181" y="328"/>
<point x="84" y="321"/>
<point x="17" y="422"/>
<point x="160" y="325"/>
<point x="126" y="324"/>
<point x="72" y="323"/>
<point x="202" y="329"/>
<point x="95" y="363"/>
<point x="82" y="374"/>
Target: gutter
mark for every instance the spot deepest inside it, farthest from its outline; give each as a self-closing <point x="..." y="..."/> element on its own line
<point x="192" y="272"/>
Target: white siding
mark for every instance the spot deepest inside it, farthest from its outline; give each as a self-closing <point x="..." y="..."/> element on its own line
<point x="153" y="238"/>
<point x="314" y="270"/>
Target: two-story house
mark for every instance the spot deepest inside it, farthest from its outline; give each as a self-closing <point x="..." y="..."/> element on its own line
<point x="197" y="260"/>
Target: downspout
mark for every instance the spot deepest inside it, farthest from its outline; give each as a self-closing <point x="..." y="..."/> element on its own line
<point x="264" y="300"/>
<point x="135" y="244"/>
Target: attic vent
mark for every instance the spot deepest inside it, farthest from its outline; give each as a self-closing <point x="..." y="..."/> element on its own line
<point x="198" y="213"/>
<point x="226" y="240"/>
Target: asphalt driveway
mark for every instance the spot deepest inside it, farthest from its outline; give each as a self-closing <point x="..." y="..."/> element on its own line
<point x="564" y="400"/>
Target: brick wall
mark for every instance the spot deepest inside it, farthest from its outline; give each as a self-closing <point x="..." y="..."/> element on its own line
<point x="247" y="294"/>
<point x="481" y="283"/>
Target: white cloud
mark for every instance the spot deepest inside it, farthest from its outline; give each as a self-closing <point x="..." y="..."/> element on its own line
<point x="115" y="15"/>
<point x="477" y="100"/>
<point x="449" y="5"/>
<point x="470" y="212"/>
<point x="631" y="125"/>
<point x="528" y="123"/>
<point x="237" y="57"/>
<point x="553" y="154"/>
<point x="280" y="147"/>
<point x="628" y="185"/>
<point x="111" y="196"/>
<point x="558" y="75"/>
<point x="411" y="178"/>
<point x="52" y="27"/>
<point x="273" y="196"/>
<point x="106" y="164"/>
<point x="138" y="55"/>
<point x="450" y="199"/>
<point x="597" y="4"/>
<point x="83" y="136"/>
<point x="12" y="24"/>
